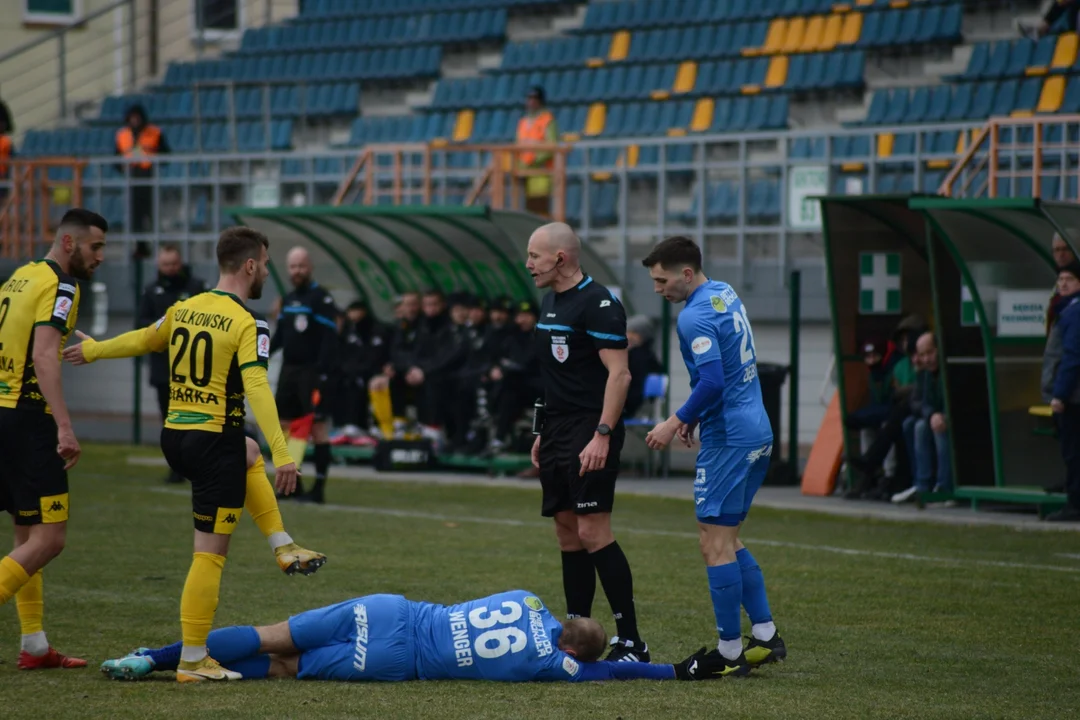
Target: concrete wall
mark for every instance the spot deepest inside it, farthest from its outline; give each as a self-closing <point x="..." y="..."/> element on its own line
<point x="97" y="55"/>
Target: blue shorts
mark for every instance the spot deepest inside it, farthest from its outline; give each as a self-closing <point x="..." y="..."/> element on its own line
<point x="367" y="638"/>
<point x="726" y="481"/>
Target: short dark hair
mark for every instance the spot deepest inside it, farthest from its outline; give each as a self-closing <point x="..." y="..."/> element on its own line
<point x="169" y="247"/>
<point x="237" y="245"/>
<point x="434" y="292"/>
<point x="675" y="252"/>
<point x="85" y="219"/>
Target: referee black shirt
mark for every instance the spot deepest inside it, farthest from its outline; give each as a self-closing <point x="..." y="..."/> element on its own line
<point x="307" y="328"/>
<point x="575" y="325"/>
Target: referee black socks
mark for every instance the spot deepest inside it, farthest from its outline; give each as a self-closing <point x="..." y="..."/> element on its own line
<point x="579" y="583"/>
<point x="614" y="571"/>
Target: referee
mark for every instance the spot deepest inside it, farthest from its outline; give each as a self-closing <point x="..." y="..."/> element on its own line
<point x="581" y="343"/>
<point x="307" y="334"/>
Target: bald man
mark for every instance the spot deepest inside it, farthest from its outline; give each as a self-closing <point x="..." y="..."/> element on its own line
<point x="306" y="333"/>
<point x="581" y="343"/>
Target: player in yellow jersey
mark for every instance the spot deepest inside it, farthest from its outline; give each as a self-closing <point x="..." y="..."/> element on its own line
<point x="38" y="307"/>
<point x="218" y="353"/>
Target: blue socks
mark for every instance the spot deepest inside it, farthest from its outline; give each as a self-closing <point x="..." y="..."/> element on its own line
<point x="753" y="588"/>
<point x="226" y="645"/>
<point x="255" y="667"/>
<point x="725" y="586"/>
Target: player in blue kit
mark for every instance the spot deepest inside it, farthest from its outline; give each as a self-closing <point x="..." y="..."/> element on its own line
<point x="717" y="345"/>
<point x="509" y="637"/>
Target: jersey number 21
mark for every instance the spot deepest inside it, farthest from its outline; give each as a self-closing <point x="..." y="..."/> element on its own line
<point x="742" y="327"/>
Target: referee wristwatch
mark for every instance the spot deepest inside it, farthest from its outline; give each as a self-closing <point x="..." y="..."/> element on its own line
<point x="604" y="430"/>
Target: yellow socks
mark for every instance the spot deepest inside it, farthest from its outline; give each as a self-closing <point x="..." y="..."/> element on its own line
<point x="12" y="577"/>
<point x="30" y="601"/>
<point x="261" y="503"/>
<point x="199" y="602"/>
<point x="382" y="411"/>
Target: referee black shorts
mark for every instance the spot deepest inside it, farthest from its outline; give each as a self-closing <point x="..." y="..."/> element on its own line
<point x="216" y="465"/>
<point x="33" y="482"/>
<point x="295" y="391"/>
<point x="561" y="442"/>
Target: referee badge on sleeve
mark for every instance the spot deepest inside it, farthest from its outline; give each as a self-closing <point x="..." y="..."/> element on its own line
<point x="560" y="349"/>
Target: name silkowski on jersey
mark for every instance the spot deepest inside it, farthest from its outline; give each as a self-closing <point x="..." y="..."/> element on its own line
<point x="214" y="321"/>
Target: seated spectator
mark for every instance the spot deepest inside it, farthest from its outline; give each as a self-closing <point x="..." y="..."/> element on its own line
<point x="874" y="461"/>
<point x="641" y="359"/>
<point x="516" y="377"/>
<point x="867" y="420"/>
<point x="926" y="428"/>
<point x="364" y="349"/>
<point x="391" y="396"/>
<point x="1065" y="386"/>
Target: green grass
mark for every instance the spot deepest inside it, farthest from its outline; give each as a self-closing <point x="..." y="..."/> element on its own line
<point x="876" y="633"/>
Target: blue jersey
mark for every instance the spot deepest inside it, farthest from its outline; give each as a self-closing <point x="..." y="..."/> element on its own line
<point x="715" y="337"/>
<point x="510" y="637"/>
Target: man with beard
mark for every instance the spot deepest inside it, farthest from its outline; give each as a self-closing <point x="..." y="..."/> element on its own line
<point x="174" y="283"/>
<point x="218" y="354"/>
<point x="307" y="333"/>
<point x="39" y="304"/>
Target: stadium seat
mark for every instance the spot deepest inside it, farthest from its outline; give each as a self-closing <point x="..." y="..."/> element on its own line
<point x="998" y="62"/>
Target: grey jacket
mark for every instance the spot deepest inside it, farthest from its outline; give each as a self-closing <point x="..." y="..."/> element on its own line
<point x="1051" y="359"/>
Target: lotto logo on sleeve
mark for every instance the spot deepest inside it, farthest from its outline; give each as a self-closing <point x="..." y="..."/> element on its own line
<point x="264" y="346"/>
<point x="700" y="345"/>
<point x="62" y="307"/>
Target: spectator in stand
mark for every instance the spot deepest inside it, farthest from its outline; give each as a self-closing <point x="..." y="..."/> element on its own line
<point x="641" y="359"/>
<point x="175" y="282"/>
<point x="1064" y="389"/>
<point x="537" y="127"/>
<point x="873" y="483"/>
<point x="926" y="430"/>
<point x="1063" y="256"/>
<point x="516" y="376"/>
<point x="444" y="347"/>
<point x="1069" y="8"/>
<point x="364" y="348"/>
<point x="867" y="420"/>
<point x="139" y="141"/>
<point x="403" y="347"/>
<point x="7" y="147"/>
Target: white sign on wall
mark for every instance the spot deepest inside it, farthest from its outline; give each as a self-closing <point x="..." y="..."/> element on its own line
<point x="1022" y="313"/>
<point x="265" y="195"/>
<point x="803" y="183"/>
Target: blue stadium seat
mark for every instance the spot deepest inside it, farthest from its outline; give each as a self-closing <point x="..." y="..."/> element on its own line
<point x="960" y="103"/>
<point x="940" y="97"/>
<point x="980" y="55"/>
<point x="1004" y="98"/>
<point x="879" y="103"/>
<point x="998" y="62"/>
<point x="908" y="29"/>
<point x="871" y="29"/>
<point x="983" y="101"/>
<point x="927" y="29"/>
<point x="950" y="29"/>
<point x="1070" y="104"/>
<point x="919" y="105"/>
<point x="1028" y="96"/>
<point x="814" y="79"/>
<point x="897" y="108"/>
<point x="1019" y="57"/>
<point x="777" y="117"/>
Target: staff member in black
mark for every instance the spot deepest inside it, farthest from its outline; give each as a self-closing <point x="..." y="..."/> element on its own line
<point x="581" y="343"/>
<point x="174" y="283"/>
<point x="307" y="333"/>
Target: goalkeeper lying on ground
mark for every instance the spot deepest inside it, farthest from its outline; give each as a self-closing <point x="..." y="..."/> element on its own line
<point x="509" y="637"/>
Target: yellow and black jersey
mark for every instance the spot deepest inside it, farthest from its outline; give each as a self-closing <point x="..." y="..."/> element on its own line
<point x="38" y="293"/>
<point x="211" y="339"/>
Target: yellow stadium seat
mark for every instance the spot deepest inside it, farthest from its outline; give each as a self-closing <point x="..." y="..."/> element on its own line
<point x="1040" y="411"/>
<point x="1053" y="92"/>
<point x="594" y="121"/>
<point x="885" y="145"/>
<point x="703" y="115"/>
<point x="852" y="167"/>
<point x="676" y="132"/>
<point x="864" y="3"/>
<point x="776" y="76"/>
<point x="815" y="29"/>
<point x="776" y="36"/>
<point x="620" y="46"/>
<point x="463" y="126"/>
<point x="685" y="77"/>
<point x="841" y="8"/>
<point x="570" y="137"/>
<point x="750" y="89"/>
<point x="1021" y="114"/>
<point x="1035" y="70"/>
<point x="899" y="3"/>
<point x="961" y="142"/>
<point x="795" y="32"/>
<point x="830" y="36"/>
<point x="1064" y="51"/>
<point x="852" y="29"/>
<point x="659" y="95"/>
<point x="939" y="164"/>
<point x="594" y="62"/>
<point x="632" y="154"/>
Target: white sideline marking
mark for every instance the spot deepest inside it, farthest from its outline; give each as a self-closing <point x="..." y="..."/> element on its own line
<point x="417" y="515"/>
<point x="1070" y="556"/>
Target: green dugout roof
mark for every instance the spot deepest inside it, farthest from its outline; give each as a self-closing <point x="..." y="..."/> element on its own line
<point x="378" y="252"/>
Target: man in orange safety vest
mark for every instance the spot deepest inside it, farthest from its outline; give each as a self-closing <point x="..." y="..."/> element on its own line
<point x="537" y="127"/>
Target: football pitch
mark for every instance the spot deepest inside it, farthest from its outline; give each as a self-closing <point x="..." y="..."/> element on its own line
<point x="881" y="619"/>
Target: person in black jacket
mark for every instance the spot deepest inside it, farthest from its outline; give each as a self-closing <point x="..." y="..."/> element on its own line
<point x="403" y="346"/>
<point x="443" y="350"/>
<point x="364" y="349"/>
<point x="307" y="334"/>
<point x="174" y="283"/>
<point x="516" y="375"/>
<point x="641" y="359"/>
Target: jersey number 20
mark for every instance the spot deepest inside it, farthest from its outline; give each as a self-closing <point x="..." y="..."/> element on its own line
<point x="202" y="344"/>
<point x="742" y="326"/>
<point x="507" y="639"/>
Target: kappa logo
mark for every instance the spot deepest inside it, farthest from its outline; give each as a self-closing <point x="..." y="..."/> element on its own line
<point x="56" y="506"/>
<point x="605" y="303"/>
<point x="230" y="518"/>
